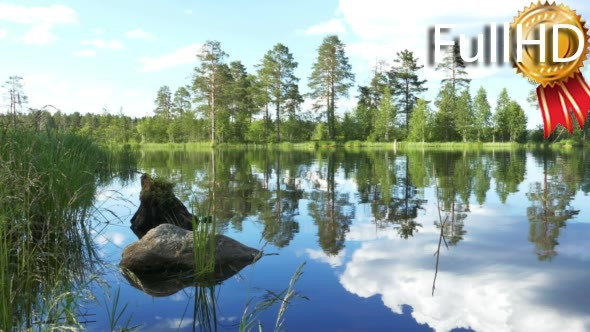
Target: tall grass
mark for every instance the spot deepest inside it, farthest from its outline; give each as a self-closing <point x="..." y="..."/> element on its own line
<point x="47" y="186"/>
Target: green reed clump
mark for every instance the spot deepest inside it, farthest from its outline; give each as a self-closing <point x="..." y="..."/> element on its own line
<point x="47" y="187"/>
<point x="204" y="232"/>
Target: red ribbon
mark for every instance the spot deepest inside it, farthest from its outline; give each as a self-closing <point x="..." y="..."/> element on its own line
<point x="557" y="101"/>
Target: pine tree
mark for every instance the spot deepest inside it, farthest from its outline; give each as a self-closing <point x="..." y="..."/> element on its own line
<point x="276" y="72"/>
<point x="482" y="114"/>
<point x="182" y="101"/>
<point x="379" y="82"/>
<point x="163" y="102"/>
<point x="407" y="84"/>
<point x="330" y="79"/>
<point x="454" y="68"/>
<point x="15" y="96"/>
<point x="241" y="104"/>
<point x="209" y="81"/>
<point x="444" y="121"/>
<point x="419" y="121"/>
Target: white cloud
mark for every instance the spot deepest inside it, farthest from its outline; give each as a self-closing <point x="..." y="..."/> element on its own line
<point x="39" y="35"/>
<point x="95" y="92"/>
<point x="320" y="256"/>
<point x="332" y="27"/>
<point x="52" y="15"/>
<point x="140" y="34"/>
<point x="178" y="323"/>
<point x="402" y="271"/>
<point x="36" y="80"/>
<point x="85" y="53"/>
<point x="115" y="45"/>
<point x="41" y="20"/>
<point x="3" y="33"/>
<point x="102" y="43"/>
<point x="181" y="56"/>
<point x="115" y="238"/>
<point x="131" y="93"/>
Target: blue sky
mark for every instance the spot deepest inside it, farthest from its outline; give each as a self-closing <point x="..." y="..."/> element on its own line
<point x="86" y="55"/>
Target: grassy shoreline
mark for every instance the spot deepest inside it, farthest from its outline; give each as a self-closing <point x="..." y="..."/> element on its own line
<point x="311" y="145"/>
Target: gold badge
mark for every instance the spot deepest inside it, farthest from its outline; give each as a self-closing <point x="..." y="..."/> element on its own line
<point x="551" y="46"/>
<point x="548" y="72"/>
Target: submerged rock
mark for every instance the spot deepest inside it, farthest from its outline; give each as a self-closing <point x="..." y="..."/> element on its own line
<point x="159" y="205"/>
<point x="170" y="248"/>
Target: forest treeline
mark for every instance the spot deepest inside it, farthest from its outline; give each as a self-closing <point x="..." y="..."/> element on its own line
<point x="224" y="103"/>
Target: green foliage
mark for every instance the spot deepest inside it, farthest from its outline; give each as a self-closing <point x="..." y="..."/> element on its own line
<point x="463" y="115"/>
<point x="241" y="105"/>
<point x="320" y="132"/>
<point x="182" y="102"/>
<point x="509" y="119"/>
<point x="257" y="132"/>
<point x="444" y="128"/>
<point x="385" y="121"/>
<point x="516" y="122"/>
<point x="164" y="102"/>
<point x="419" y="122"/>
<point x="153" y="130"/>
<point x="482" y="115"/>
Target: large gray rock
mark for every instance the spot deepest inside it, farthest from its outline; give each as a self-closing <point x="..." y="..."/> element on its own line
<point x="170" y="248"/>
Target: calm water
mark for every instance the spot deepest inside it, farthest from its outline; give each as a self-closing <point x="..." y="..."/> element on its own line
<point x="516" y="223"/>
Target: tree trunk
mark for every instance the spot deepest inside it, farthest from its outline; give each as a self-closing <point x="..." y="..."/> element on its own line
<point x="278" y="122"/>
<point x="213" y="108"/>
<point x="266" y="123"/>
<point x="332" y="106"/>
<point x="407" y="106"/>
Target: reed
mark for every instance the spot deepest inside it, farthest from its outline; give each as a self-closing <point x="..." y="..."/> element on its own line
<point x="47" y="186"/>
<point x="204" y="232"/>
<point x="285" y="297"/>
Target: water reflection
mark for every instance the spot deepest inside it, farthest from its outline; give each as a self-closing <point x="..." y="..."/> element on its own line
<point x="550" y="203"/>
<point x="371" y="216"/>
<point x="270" y="186"/>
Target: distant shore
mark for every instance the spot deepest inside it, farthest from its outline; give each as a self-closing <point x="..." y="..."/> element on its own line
<point x="565" y="144"/>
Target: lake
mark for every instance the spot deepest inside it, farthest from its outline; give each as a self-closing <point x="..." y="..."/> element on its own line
<point x="510" y="227"/>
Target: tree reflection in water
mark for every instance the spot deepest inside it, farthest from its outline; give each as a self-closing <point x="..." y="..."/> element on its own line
<point x="550" y="203"/>
<point x="329" y="209"/>
<point x="269" y="186"/>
